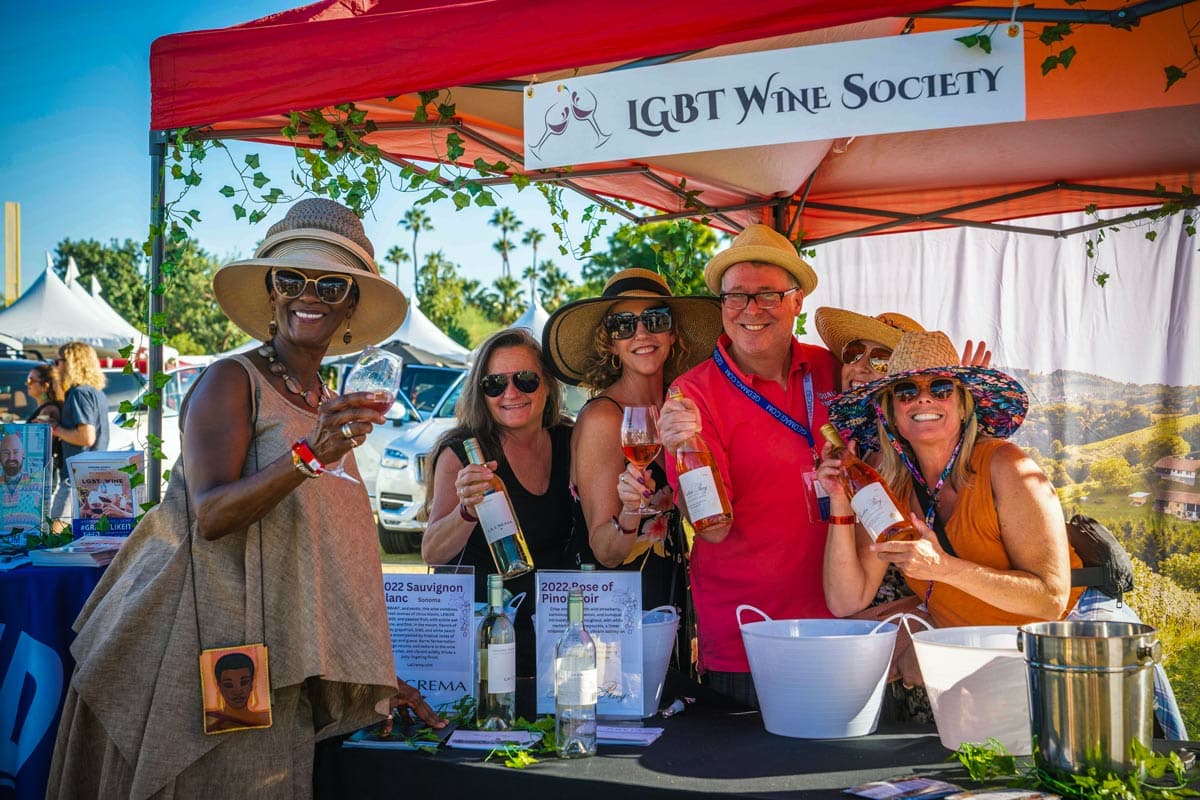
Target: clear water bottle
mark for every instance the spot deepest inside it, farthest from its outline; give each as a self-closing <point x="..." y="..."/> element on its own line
<point x="495" y="710"/>
<point x="575" y="685"/>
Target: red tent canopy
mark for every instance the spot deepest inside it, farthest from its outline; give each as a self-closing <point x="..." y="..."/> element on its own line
<point x="1104" y="122"/>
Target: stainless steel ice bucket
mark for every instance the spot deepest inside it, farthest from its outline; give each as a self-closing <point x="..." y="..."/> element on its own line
<point x="1091" y="692"/>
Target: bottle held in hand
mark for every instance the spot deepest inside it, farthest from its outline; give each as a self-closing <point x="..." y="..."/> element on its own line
<point x="495" y="709"/>
<point x="872" y="500"/>
<point x="575" y="688"/>
<point x="700" y="481"/>
<point x="500" y="525"/>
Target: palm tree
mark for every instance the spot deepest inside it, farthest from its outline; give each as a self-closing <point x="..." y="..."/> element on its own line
<point x="553" y="285"/>
<point x="416" y="220"/>
<point x="532" y="238"/>
<point x="396" y="256"/>
<point x="530" y="274"/>
<point x="506" y="220"/>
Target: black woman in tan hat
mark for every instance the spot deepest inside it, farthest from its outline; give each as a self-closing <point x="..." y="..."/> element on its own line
<point x="257" y="549"/>
<point x="626" y="345"/>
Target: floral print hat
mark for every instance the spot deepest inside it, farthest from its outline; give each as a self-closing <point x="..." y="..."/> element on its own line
<point x="1000" y="402"/>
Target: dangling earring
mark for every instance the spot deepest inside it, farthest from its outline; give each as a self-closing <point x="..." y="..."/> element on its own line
<point x="346" y="337"/>
<point x="614" y="362"/>
<point x="272" y="326"/>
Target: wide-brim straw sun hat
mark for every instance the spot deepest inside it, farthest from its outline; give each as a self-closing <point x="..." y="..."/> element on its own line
<point x="762" y="245"/>
<point x="1000" y="401"/>
<point x="838" y="327"/>
<point x="325" y="237"/>
<point x="569" y="336"/>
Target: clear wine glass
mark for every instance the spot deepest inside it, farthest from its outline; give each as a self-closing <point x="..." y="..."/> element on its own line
<point x="375" y="370"/>
<point x="640" y="442"/>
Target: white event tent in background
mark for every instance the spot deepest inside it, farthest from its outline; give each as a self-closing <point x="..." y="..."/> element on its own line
<point x="534" y="319"/>
<point x="420" y="333"/>
<point x="49" y="313"/>
<point x="95" y="303"/>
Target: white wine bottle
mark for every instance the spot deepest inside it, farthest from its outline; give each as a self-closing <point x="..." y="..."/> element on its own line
<point x="501" y="528"/>
<point x="877" y="508"/>
<point x="495" y="708"/>
<point x="575" y="685"/>
<point x="700" y="481"/>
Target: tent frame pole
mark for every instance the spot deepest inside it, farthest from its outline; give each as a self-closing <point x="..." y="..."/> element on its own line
<point x="154" y="304"/>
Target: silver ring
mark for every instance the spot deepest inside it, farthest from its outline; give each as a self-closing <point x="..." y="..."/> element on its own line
<point x="347" y="431"/>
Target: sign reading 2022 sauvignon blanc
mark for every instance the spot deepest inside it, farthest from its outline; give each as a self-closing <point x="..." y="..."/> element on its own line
<point x="870" y="86"/>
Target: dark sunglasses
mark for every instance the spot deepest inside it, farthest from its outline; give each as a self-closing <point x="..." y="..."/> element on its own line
<point x="331" y="289"/>
<point x="527" y="381"/>
<point x="623" y="325"/>
<point x="908" y="391"/>
<point x="878" y="358"/>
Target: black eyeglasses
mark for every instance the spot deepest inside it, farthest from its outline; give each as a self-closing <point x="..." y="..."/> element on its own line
<point x="736" y="301"/>
<point x="908" y="391"/>
<point x="878" y="358"/>
<point x="623" y="325"/>
<point x="331" y="289"/>
<point x="527" y="381"/>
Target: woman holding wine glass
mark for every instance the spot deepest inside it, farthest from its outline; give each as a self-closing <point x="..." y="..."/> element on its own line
<point x="511" y="405"/>
<point x="626" y="345"/>
<point x="253" y="546"/>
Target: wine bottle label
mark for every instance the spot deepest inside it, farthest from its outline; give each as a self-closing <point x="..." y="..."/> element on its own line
<point x="495" y="515"/>
<point x="700" y="493"/>
<point x="574" y="688"/>
<point x="502" y="668"/>
<point x="875" y="509"/>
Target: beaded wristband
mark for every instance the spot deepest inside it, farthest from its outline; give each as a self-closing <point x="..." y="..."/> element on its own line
<point x="305" y="460"/>
<point x="625" y="531"/>
<point x="844" y="519"/>
<point x="466" y="515"/>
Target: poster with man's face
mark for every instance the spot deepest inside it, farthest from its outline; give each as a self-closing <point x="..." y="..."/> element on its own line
<point x="25" y="467"/>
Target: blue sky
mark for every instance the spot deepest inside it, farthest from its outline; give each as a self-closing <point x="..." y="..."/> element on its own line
<point x="73" y="148"/>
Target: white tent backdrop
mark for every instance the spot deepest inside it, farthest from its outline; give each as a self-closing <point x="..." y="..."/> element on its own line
<point x="96" y="305"/>
<point x="419" y="331"/>
<point x="1032" y="298"/>
<point x="534" y="319"/>
<point x="49" y="313"/>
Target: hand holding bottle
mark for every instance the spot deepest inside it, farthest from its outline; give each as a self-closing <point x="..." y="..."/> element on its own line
<point x="922" y="559"/>
<point x="678" y="421"/>
<point x="472" y="483"/>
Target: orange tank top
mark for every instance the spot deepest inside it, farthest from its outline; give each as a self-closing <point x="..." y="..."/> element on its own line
<point x="974" y="530"/>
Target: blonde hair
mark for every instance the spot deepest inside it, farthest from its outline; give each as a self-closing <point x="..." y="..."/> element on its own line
<point x="892" y="468"/>
<point x="598" y="370"/>
<point x="80" y="367"/>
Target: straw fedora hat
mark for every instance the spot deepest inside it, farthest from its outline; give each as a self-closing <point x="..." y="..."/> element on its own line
<point x="1000" y="401"/>
<point x="760" y="244"/>
<point x="569" y="334"/>
<point x="838" y="327"/>
<point x="323" y="236"/>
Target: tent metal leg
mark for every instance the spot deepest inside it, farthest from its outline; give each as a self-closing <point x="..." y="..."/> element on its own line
<point x="158" y="212"/>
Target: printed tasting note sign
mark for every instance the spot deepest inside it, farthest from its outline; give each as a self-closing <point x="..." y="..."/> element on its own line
<point x="612" y="614"/>
<point x="431" y="619"/>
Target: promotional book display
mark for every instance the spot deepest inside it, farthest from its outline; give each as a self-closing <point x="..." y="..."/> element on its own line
<point x="91" y="551"/>
<point x="25" y="495"/>
<point x="106" y="499"/>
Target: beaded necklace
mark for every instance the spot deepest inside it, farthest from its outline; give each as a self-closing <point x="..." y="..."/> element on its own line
<point x="312" y="397"/>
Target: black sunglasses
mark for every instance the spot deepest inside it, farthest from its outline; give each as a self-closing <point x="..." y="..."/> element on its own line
<point x="878" y="358"/>
<point x="908" y="391"/>
<point x="623" y="325"/>
<point x="331" y="289"/>
<point x="527" y="381"/>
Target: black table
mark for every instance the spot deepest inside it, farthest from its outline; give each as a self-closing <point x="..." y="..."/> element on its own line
<point x="37" y="607"/>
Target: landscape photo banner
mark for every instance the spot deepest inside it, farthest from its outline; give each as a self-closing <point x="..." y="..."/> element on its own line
<point x="871" y="86"/>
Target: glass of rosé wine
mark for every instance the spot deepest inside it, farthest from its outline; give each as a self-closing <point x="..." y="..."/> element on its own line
<point x="374" y="370"/>
<point x="640" y="441"/>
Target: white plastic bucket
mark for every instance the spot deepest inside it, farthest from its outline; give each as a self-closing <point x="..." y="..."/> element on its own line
<point x="818" y="678"/>
<point x="659" y="626"/>
<point x="978" y="685"/>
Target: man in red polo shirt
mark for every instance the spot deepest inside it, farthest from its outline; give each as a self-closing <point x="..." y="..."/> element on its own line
<point x="758" y="404"/>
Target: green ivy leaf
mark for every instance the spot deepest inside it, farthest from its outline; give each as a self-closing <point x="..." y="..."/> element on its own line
<point x="1066" y="56"/>
<point x="520" y="181"/>
<point x="252" y="160"/>
<point x="238" y="211"/>
<point x="1054" y="33"/>
<point x="126" y="351"/>
<point x="1151" y="235"/>
<point x="1049" y="64"/>
<point x="969" y="41"/>
<point x="1173" y="74"/>
<point x="260" y="180"/>
<point x="420" y="114"/>
<point x="484" y="199"/>
<point x="461" y="200"/>
<point x="985" y="43"/>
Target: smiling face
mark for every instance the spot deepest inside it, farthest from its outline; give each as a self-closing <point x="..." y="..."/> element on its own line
<point x="860" y="372"/>
<point x="928" y="419"/>
<point x="307" y="320"/>
<point x="236" y="686"/>
<point x="513" y="409"/>
<point x="12" y="455"/>
<point x="646" y="352"/>
<point x="760" y="334"/>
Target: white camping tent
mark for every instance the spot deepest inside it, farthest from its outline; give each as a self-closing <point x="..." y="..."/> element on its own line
<point x="534" y="319"/>
<point x="418" y="333"/>
<point x="98" y="307"/>
<point x="49" y="313"/>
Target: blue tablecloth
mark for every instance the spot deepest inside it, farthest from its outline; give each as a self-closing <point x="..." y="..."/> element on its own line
<point x="37" y="607"/>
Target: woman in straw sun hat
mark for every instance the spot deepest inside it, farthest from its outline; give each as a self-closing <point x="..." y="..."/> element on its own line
<point x="252" y="545"/>
<point x="626" y="345"/>
<point x="943" y="428"/>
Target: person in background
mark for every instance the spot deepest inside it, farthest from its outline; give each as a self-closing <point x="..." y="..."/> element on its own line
<point x="254" y="543"/>
<point x="767" y="556"/>
<point x="45" y="387"/>
<point x="512" y="404"/>
<point x="625" y="346"/>
<point x="84" y="422"/>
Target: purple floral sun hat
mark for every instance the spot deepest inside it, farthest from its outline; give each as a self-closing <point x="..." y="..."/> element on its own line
<point x="1000" y="402"/>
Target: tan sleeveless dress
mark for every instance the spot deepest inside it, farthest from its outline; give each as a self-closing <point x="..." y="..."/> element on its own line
<point x="132" y="723"/>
